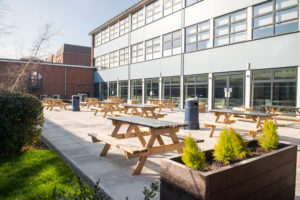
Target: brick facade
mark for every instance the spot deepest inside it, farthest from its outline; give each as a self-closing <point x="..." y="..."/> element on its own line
<point x="61" y="79"/>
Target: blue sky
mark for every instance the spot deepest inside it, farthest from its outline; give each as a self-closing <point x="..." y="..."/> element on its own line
<point x="73" y="19"/>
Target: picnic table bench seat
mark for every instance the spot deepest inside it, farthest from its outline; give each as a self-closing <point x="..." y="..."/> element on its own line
<point x="287" y="118"/>
<point x="252" y="131"/>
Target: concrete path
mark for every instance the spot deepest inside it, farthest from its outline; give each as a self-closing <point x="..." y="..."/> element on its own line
<point x="67" y="133"/>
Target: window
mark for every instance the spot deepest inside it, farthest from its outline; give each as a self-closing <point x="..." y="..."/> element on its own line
<point x="124" y="55"/>
<point x="190" y="2"/>
<point x="103" y="91"/>
<point x="171" y="89"/>
<point x="123" y="90"/>
<point x="153" y="12"/>
<point x="153" y="48"/>
<point x="136" y="89"/>
<point x="124" y="26"/>
<point x="105" y="61"/>
<point x="97" y="41"/>
<point x="114" y="59"/>
<point x="197" y="37"/>
<point x="114" y="31"/>
<point x="137" y="19"/>
<point x="274" y="18"/>
<point x="196" y="86"/>
<point x="231" y="28"/>
<point x="113" y="88"/>
<point x="98" y="61"/>
<point x="274" y="87"/>
<point x="137" y="53"/>
<point x="171" y="6"/>
<point x="172" y="43"/>
<point x="105" y="36"/>
<point x="152" y="88"/>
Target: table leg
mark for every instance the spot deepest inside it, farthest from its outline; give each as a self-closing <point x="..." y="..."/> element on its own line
<point x="218" y="117"/>
<point x="213" y="128"/>
<point x="106" y="109"/>
<point x="258" y="122"/>
<point x="160" y="140"/>
<point x="175" y="140"/>
<point x="139" y="135"/>
<point x="114" y="133"/>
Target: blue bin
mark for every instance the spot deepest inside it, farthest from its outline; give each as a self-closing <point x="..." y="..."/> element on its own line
<point x="83" y="97"/>
<point x="191" y="114"/>
<point x="75" y="103"/>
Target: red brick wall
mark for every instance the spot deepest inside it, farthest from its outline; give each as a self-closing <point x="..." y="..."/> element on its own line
<point x="76" y="59"/>
<point x="78" y="79"/>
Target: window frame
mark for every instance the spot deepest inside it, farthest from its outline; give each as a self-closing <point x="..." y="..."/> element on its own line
<point x="97" y="39"/>
<point x="152" y="7"/>
<point x="139" y="19"/>
<point x="124" y="26"/>
<point x="105" y="35"/>
<point x="124" y="60"/>
<point x="139" y="49"/>
<point x="114" y="31"/>
<point x="196" y="34"/>
<point x="172" y="43"/>
<point x="114" y="59"/>
<point x="171" y="6"/>
<point x="152" y="47"/>
<point x="105" y="61"/>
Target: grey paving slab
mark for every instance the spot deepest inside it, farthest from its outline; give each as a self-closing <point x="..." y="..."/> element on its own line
<point x="67" y="132"/>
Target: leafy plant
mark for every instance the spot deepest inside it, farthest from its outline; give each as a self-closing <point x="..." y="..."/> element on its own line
<point x="151" y="194"/>
<point x="192" y="156"/>
<point x="269" y="140"/>
<point x="230" y="146"/>
<point x="21" y="118"/>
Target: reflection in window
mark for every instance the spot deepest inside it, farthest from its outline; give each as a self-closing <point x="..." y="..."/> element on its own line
<point x="153" y="11"/>
<point x="114" y="59"/>
<point x="124" y="26"/>
<point x="197" y="37"/>
<point x="190" y="2"/>
<point x="153" y="48"/>
<point x="97" y="39"/>
<point x="124" y="56"/>
<point x="114" y="31"/>
<point x="172" y="43"/>
<point x="171" y="6"/>
<point x="136" y="90"/>
<point x="105" y="36"/>
<point x="171" y="89"/>
<point x="137" y="53"/>
<point x="196" y="86"/>
<point x="98" y="61"/>
<point x="113" y="88"/>
<point x="123" y="90"/>
<point x="137" y="19"/>
<point x="105" y="61"/>
<point x="275" y="17"/>
<point x="152" y="88"/>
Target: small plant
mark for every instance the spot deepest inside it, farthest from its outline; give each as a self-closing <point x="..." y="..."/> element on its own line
<point x="230" y="147"/>
<point x="192" y="156"/>
<point x="269" y="140"/>
<point x="151" y="194"/>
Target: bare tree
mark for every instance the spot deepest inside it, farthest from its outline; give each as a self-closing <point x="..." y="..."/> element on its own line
<point x="4" y="28"/>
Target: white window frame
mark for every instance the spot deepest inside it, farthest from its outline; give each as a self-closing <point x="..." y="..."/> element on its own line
<point x="124" y="56"/>
<point x="124" y="26"/>
<point x="137" y="19"/>
<point x="114" y="31"/>
<point x="171" y="6"/>
<point x="114" y="59"/>
<point x="172" y="40"/>
<point x="105" y="61"/>
<point x="137" y="53"/>
<point x="152" y="48"/>
<point x="105" y="35"/>
<point x="97" y="39"/>
<point x="196" y="34"/>
<point x="153" y="11"/>
<point x="98" y="61"/>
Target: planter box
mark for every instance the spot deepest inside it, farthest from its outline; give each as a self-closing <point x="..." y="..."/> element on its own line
<point x="269" y="176"/>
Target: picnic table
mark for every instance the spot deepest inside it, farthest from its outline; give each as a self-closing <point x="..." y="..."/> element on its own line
<point x="51" y="103"/>
<point x="89" y="102"/>
<point x="146" y="110"/>
<point x="257" y="117"/>
<point x="162" y="103"/>
<point x="106" y="107"/>
<point x="275" y="109"/>
<point x="157" y="128"/>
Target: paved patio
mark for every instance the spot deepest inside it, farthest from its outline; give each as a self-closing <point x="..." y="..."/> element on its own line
<point x="67" y="133"/>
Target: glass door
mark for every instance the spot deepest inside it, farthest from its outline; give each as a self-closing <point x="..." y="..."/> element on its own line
<point x="228" y="90"/>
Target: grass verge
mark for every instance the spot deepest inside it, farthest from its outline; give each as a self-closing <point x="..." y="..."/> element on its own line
<point x="34" y="174"/>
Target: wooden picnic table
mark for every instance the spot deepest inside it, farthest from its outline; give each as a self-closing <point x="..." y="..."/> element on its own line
<point x="257" y="117"/>
<point x="162" y="103"/>
<point x="106" y="107"/>
<point x="146" y="110"/>
<point x="157" y="128"/>
<point x="89" y="102"/>
<point x="275" y="109"/>
<point x="51" y="103"/>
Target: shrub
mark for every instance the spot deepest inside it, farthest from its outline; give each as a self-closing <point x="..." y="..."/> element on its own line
<point x="270" y="137"/>
<point x="192" y="156"/>
<point x="230" y="146"/>
<point x="21" y="118"/>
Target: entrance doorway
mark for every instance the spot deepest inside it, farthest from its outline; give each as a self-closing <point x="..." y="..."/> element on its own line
<point x="228" y="90"/>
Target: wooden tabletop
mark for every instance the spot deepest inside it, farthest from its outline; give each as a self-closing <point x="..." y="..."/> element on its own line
<point x="283" y="107"/>
<point x="239" y="112"/>
<point x="109" y="102"/>
<point x="139" y="106"/>
<point x="148" y="122"/>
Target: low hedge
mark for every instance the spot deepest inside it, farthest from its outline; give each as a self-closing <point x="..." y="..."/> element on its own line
<point x="21" y="118"/>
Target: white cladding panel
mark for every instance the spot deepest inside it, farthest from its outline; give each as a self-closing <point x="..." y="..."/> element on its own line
<point x="112" y="74"/>
<point x="205" y="10"/>
<point x="157" y="28"/>
<point x="169" y="66"/>
<point x="280" y="51"/>
<point x="113" y="45"/>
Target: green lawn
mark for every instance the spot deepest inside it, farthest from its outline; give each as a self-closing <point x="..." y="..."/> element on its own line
<point x="33" y="173"/>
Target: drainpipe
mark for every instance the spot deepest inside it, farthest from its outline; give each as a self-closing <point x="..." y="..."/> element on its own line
<point x="65" y="93"/>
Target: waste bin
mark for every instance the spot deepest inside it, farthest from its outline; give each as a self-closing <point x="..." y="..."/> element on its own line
<point x="83" y="97"/>
<point x="191" y="114"/>
<point x="75" y="103"/>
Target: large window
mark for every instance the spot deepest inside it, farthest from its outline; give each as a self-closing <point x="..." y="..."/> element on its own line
<point x="114" y="31"/>
<point x="124" y="26"/>
<point x="98" y="61"/>
<point x="274" y="87"/>
<point x="153" y="11"/>
<point x="171" y="6"/>
<point x="123" y="90"/>
<point x="124" y="56"/>
<point x="197" y="37"/>
<point x="136" y="89"/>
<point x="137" y="19"/>
<point x="113" y="88"/>
<point x="190" y="2"/>
<point x="196" y="86"/>
<point x="152" y="88"/>
<point x="172" y="43"/>
<point x="231" y="28"/>
<point x="97" y="41"/>
<point x="153" y="48"/>
<point x="103" y="91"/>
<point x="105" y="36"/>
<point x="114" y="59"/>
<point x="137" y="53"/>
<point x="274" y="18"/>
<point x="105" y="61"/>
<point x="171" y="89"/>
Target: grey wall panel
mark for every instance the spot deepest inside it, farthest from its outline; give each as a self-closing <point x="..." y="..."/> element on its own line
<point x="169" y="66"/>
<point x="113" y="45"/>
<point x="280" y="51"/>
<point x="157" y="28"/>
<point x="112" y="74"/>
<point x="213" y="8"/>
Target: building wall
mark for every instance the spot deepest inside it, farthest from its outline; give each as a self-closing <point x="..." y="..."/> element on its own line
<point x="76" y="59"/>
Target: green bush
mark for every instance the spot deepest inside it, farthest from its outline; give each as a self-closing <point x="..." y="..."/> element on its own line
<point x="270" y="137"/>
<point x="230" y="146"/>
<point x="192" y="156"/>
<point x="21" y="118"/>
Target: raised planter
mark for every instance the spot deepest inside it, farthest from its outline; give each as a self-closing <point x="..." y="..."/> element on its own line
<point x="269" y="176"/>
